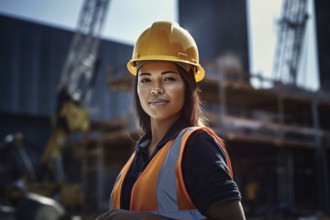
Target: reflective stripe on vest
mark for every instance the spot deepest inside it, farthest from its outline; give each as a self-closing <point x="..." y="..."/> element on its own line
<point x="160" y="188"/>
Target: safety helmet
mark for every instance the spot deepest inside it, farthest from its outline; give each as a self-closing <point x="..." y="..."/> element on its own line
<point x="166" y="41"/>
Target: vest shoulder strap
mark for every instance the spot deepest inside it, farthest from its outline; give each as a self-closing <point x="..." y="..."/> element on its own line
<point x="182" y="192"/>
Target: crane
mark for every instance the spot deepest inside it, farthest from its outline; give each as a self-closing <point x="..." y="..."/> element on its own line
<point x="290" y="40"/>
<point x="76" y="81"/>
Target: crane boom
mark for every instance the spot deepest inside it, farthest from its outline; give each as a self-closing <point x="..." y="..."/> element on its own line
<point x="79" y="67"/>
<point x="78" y="76"/>
<point x="290" y="40"/>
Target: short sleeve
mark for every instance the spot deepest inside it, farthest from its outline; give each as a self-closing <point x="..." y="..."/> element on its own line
<point x="205" y="172"/>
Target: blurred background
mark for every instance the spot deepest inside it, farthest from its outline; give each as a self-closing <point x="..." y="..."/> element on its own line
<point x="66" y="121"/>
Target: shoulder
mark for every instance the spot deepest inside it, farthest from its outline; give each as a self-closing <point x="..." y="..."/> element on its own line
<point x="204" y="146"/>
<point x="204" y="139"/>
<point x="203" y="132"/>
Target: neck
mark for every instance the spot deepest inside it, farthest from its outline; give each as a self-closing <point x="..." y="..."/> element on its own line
<point x="158" y="130"/>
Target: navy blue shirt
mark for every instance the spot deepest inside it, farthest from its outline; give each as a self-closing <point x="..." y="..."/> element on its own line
<point x="204" y="169"/>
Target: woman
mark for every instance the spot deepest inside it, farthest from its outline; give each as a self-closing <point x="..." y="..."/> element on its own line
<point x="180" y="169"/>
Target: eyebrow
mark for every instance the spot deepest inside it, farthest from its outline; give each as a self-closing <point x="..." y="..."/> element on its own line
<point x="163" y="73"/>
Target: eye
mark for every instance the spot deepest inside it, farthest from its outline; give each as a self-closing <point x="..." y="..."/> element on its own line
<point x="170" y="78"/>
<point x="145" y="80"/>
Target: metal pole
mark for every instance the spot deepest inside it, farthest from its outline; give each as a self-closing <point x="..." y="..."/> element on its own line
<point x="321" y="163"/>
<point x="222" y="96"/>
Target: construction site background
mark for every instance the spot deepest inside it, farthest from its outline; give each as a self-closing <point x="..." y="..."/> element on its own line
<point x="278" y="137"/>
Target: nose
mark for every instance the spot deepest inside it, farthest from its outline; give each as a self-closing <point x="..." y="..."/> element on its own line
<point x="157" y="91"/>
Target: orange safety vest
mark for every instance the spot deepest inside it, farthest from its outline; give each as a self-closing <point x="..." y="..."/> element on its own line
<point x="160" y="188"/>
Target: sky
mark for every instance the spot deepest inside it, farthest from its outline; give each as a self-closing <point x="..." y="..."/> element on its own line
<point x="126" y="19"/>
<point x="263" y="17"/>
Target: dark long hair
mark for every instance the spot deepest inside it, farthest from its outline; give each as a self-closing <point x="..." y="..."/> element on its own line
<point x="191" y="112"/>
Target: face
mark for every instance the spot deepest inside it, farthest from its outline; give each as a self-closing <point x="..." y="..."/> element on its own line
<point x="161" y="90"/>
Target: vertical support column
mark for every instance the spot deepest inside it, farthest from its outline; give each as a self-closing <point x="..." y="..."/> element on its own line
<point x="100" y="175"/>
<point x="286" y="178"/>
<point x="321" y="161"/>
<point x="286" y="163"/>
<point x="290" y="180"/>
<point x="222" y="96"/>
<point x="280" y="115"/>
<point x="282" y="176"/>
<point x="84" y="167"/>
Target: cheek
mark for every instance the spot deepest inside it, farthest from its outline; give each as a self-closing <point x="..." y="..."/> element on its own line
<point x="178" y="91"/>
<point x="176" y="88"/>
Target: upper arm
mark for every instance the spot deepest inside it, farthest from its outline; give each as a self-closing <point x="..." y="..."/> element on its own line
<point x="205" y="173"/>
<point x="227" y="210"/>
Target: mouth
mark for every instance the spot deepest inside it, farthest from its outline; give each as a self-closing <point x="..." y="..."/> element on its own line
<point x="158" y="101"/>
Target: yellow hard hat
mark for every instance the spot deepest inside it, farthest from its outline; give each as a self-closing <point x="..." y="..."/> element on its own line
<point x="166" y="41"/>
